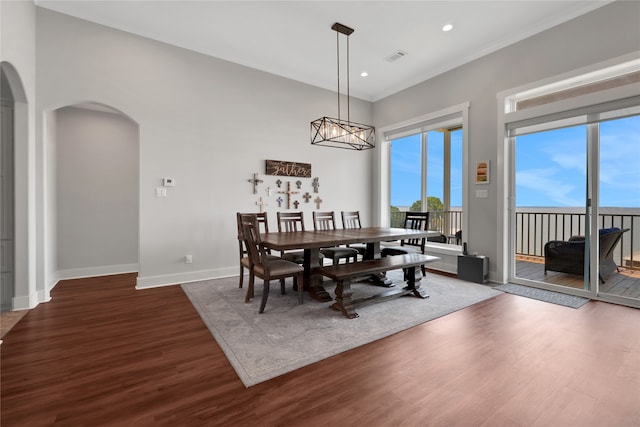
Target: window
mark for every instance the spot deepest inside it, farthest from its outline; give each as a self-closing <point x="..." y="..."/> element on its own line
<point x="426" y="171"/>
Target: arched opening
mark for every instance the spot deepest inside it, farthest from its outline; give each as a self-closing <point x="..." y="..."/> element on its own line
<point x="96" y="191"/>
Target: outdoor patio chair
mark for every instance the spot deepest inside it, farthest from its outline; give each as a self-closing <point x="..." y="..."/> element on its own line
<point x="568" y="256"/>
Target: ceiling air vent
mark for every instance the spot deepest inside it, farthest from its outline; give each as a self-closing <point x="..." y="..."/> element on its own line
<point x="396" y="55"/>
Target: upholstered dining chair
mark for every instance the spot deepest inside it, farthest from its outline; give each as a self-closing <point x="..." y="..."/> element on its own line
<point x="263" y="222"/>
<point x="290" y="222"/>
<point x="350" y="221"/>
<point x="327" y="221"/>
<point x="264" y="267"/>
<point x="414" y="221"/>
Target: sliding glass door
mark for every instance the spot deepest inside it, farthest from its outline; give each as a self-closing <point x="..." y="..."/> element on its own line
<point x="577" y="205"/>
<point x="619" y="207"/>
<point x="551" y="202"/>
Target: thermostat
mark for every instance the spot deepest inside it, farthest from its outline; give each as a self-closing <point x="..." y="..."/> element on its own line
<point x="169" y="182"/>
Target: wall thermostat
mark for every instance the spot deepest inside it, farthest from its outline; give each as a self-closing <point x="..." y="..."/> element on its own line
<point x="169" y="182"/>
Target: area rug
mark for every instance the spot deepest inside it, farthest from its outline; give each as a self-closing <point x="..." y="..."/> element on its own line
<point x="288" y="336"/>
<point x="544" y="295"/>
<point x="8" y="319"/>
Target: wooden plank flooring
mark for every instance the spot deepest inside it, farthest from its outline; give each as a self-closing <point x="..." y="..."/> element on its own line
<point x="625" y="283"/>
<point x="103" y="354"/>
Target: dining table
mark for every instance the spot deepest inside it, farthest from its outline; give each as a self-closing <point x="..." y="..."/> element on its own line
<point x="312" y="241"/>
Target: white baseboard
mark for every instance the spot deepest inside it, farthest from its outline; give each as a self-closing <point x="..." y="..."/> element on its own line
<point x="106" y="270"/>
<point x="26" y="302"/>
<point x="179" y="278"/>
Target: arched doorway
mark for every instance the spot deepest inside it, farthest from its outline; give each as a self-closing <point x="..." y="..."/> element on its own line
<point x="97" y="198"/>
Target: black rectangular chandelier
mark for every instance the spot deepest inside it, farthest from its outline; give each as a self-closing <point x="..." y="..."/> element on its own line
<point x="339" y="133"/>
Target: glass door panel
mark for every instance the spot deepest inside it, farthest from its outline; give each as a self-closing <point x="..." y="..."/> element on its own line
<point x="619" y="207"/>
<point x="551" y="241"/>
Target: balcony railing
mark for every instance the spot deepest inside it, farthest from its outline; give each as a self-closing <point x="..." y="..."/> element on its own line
<point x="537" y="226"/>
<point x="446" y="222"/>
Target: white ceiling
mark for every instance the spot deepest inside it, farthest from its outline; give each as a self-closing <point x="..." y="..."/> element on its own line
<point x="293" y="39"/>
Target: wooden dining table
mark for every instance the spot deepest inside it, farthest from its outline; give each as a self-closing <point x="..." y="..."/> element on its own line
<point x="312" y="241"/>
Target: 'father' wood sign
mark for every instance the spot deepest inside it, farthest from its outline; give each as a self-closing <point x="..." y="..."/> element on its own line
<point x="281" y="168"/>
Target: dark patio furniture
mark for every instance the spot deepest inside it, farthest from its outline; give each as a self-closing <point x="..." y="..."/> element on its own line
<point x="568" y="256"/>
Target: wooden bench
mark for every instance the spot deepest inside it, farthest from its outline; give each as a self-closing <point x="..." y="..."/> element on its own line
<point x="344" y="274"/>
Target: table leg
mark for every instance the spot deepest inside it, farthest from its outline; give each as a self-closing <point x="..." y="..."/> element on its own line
<point x="373" y="252"/>
<point x="344" y="303"/>
<point x="414" y="276"/>
<point x="313" y="282"/>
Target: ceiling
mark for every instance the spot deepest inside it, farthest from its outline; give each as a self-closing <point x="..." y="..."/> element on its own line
<point x="293" y="39"/>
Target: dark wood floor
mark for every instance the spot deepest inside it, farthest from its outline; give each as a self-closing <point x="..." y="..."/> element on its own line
<point x="625" y="282"/>
<point x="101" y="353"/>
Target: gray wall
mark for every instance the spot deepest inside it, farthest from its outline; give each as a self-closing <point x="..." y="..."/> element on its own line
<point x="97" y="176"/>
<point x="207" y="123"/>
<point x="606" y="33"/>
<point x="18" y="57"/>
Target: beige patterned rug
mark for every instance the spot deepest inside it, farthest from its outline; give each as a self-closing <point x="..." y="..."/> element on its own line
<point x="8" y="319"/>
<point x="288" y="336"/>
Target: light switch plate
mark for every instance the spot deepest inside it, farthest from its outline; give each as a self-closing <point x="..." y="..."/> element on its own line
<point x="482" y="194"/>
<point x="161" y="192"/>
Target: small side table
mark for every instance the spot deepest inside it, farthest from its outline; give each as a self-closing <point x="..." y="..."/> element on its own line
<point x="473" y="268"/>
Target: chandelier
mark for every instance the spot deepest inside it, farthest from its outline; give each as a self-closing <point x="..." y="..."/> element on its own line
<point x="339" y="133"/>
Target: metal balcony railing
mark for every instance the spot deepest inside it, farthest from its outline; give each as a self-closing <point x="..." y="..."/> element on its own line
<point x="446" y="222"/>
<point x="537" y="226"/>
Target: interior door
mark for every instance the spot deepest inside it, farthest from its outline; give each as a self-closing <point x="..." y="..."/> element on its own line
<point x="7" y="209"/>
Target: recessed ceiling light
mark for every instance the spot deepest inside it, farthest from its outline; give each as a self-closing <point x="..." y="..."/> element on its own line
<point x="364" y="74"/>
<point x="447" y="27"/>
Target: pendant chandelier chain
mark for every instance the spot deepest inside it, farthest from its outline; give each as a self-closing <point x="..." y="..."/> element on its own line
<point x="338" y="62"/>
<point x="339" y="133"/>
<point x="348" y="77"/>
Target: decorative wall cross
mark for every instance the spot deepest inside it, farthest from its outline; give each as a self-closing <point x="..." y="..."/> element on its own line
<point x="279" y="200"/>
<point x="261" y="203"/>
<point x="306" y="196"/>
<point x="315" y="184"/>
<point x="298" y="184"/>
<point x="278" y="183"/>
<point x="255" y="181"/>
<point x="269" y="191"/>
<point x="317" y="201"/>
<point x="295" y="204"/>
<point x="288" y="193"/>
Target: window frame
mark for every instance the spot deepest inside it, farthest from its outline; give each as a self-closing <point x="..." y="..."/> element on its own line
<point x="585" y="108"/>
<point x="457" y="114"/>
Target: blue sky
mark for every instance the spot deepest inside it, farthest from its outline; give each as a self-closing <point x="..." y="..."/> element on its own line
<point x="550" y="167"/>
<point x="405" y="168"/>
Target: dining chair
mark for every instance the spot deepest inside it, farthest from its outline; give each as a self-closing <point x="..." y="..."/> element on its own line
<point x="291" y="222"/>
<point x="263" y="222"/>
<point x="350" y="221"/>
<point x="327" y="221"/>
<point x="413" y="221"/>
<point x="458" y="237"/>
<point x="265" y="267"/>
